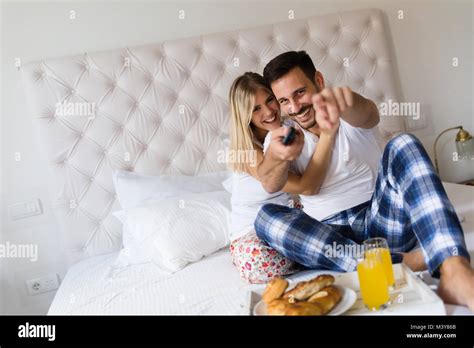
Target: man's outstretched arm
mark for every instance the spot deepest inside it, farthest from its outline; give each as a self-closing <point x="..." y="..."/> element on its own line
<point x="273" y="170"/>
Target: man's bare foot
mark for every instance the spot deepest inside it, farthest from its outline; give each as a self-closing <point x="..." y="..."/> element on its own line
<point x="414" y="260"/>
<point x="456" y="284"/>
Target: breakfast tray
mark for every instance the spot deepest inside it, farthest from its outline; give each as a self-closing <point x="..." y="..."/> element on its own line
<point x="410" y="295"/>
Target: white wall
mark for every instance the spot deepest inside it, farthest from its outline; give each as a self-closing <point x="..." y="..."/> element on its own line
<point x="2" y="261"/>
<point x="431" y="33"/>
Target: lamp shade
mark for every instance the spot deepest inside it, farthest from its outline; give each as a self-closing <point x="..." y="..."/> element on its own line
<point x="465" y="148"/>
<point x="464" y="145"/>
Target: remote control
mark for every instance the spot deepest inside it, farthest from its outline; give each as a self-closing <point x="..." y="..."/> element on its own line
<point x="290" y="137"/>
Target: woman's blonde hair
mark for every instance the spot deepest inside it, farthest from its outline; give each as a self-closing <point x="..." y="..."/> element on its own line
<point x="242" y="101"/>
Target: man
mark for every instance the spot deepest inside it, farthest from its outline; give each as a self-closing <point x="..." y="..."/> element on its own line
<point x="399" y="198"/>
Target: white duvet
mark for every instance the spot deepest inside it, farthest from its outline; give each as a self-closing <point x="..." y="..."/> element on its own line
<point x="93" y="286"/>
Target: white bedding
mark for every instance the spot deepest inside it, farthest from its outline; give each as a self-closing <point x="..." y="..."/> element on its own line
<point x="209" y="286"/>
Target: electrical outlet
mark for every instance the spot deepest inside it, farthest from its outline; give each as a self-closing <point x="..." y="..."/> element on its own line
<point x="44" y="284"/>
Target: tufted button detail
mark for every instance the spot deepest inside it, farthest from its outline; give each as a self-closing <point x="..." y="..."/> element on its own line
<point x="220" y="67"/>
<point x="86" y="67"/>
<point x="43" y="74"/>
<point x="72" y="91"/>
<point x="91" y="179"/>
<point x="136" y="104"/>
<point x="81" y="135"/>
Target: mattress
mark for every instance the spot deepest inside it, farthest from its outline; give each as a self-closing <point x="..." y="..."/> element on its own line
<point x="209" y="286"/>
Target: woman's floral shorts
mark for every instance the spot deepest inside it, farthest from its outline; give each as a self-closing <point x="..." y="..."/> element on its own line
<point x="257" y="262"/>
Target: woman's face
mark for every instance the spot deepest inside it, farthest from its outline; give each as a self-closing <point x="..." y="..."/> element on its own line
<point x="266" y="112"/>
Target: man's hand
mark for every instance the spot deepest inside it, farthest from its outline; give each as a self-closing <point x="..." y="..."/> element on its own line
<point x="329" y="104"/>
<point x="281" y="152"/>
<point x="333" y="103"/>
<point x="273" y="170"/>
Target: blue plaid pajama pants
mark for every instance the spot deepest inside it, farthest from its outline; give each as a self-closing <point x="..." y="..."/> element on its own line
<point x="409" y="208"/>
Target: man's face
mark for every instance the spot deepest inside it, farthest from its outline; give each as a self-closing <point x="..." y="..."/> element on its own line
<point x="293" y="92"/>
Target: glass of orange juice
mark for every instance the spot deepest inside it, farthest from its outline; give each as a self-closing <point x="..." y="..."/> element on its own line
<point x="379" y="246"/>
<point x="373" y="282"/>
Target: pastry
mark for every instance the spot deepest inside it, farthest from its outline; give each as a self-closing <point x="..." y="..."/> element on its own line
<point x="305" y="290"/>
<point x="304" y="308"/>
<point x="326" y="299"/>
<point x="275" y="288"/>
<point x="277" y="307"/>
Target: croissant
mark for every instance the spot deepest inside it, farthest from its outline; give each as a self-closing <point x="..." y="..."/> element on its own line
<point x="275" y="288"/>
<point x="304" y="290"/>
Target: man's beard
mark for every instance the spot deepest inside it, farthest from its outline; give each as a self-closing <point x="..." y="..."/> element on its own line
<point x="302" y="111"/>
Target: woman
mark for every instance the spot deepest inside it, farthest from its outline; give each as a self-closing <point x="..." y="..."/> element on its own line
<point x="254" y="112"/>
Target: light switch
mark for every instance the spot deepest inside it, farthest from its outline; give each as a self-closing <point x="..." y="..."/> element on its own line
<point x="24" y="209"/>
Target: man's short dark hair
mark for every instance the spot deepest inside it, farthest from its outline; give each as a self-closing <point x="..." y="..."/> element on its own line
<point x="282" y="64"/>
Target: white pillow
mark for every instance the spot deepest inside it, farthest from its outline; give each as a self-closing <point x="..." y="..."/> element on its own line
<point x="175" y="231"/>
<point x="135" y="189"/>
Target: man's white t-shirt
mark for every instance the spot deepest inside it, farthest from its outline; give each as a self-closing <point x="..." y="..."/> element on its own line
<point x="352" y="172"/>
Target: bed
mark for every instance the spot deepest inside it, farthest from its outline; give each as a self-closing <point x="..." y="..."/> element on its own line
<point x="94" y="286"/>
<point x="161" y="109"/>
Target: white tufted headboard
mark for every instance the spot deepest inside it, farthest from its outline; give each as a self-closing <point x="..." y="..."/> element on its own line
<point x="162" y="108"/>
